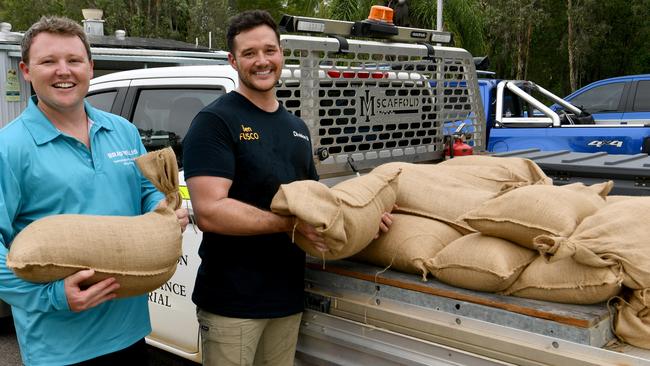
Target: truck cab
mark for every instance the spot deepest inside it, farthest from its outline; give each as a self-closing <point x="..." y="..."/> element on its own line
<point x="618" y="100"/>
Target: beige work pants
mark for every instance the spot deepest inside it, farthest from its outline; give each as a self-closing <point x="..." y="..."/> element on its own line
<point x="232" y="341"/>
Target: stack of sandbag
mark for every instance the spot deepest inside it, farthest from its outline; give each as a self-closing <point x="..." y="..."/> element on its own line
<point x="141" y="252"/>
<point x="632" y="320"/>
<point x="616" y="236"/>
<point x="448" y="190"/>
<point x="410" y="242"/>
<point x="347" y="215"/>
<point x="566" y="281"/>
<point x="491" y="261"/>
<point x="615" y="239"/>
<point x="507" y="173"/>
<point x="623" y="245"/>
<point x="480" y="262"/>
<point x="522" y="214"/>
<point x="617" y="198"/>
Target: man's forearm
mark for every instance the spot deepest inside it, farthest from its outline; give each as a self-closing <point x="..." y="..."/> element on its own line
<point x="233" y="217"/>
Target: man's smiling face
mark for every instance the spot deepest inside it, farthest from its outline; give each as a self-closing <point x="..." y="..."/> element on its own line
<point x="258" y="59"/>
<point x="59" y="70"/>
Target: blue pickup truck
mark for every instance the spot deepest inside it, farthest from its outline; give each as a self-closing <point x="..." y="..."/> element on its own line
<point x="611" y="115"/>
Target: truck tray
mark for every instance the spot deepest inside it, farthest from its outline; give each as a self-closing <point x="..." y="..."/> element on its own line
<point x="630" y="173"/>
<point x="582" y="324"/>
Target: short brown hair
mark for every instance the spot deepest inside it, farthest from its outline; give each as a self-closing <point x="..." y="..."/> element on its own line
<point x="56" y="25"/>
<point x="248" y="20"/>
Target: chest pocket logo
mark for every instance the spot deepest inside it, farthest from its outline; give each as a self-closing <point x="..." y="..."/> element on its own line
<point x="247" y="134"/>
<point x="123" y="156"/>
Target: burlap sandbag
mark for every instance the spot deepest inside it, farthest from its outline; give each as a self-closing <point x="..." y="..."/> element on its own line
<point x="141" y="252"/>
<point x="566" y="281"/>
<point x="348" y="215"/>
<point x="161" y="168"/>
<point x="479" y="262"/>
<point x="632" y="319"/>
<point x="446" y="192"/>
<point x="410" y="241"/>
<point x="601" y="189"/>
<point x="616" y="198"/>
<point x="616" y="235"/>
<point x="513" y="172"/>
<point x="524" y="213"/>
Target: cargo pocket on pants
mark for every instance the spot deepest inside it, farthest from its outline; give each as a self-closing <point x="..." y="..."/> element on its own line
<point x="227" y="341"/>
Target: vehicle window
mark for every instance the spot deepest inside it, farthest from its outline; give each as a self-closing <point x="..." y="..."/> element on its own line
<point x="642" y="98"/>
<point x="604" y="98"/>
<point x="103" y="101"/>
<point x="164" y="115"/>
<point x="511" y="104"/>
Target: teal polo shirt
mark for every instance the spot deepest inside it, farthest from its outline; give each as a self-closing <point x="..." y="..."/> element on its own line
<point x="46" y="172"/>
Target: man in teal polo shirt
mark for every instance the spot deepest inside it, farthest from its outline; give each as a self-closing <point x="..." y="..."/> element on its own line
<point x="62" y="156"/>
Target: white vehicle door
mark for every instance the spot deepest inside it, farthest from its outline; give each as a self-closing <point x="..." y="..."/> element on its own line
<point x="162" y="109"/>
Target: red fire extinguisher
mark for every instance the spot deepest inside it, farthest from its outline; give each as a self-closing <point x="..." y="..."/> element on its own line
<point x="455" y="144"/>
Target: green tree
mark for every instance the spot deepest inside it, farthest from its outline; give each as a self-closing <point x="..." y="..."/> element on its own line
<point x="547" y="57"/>
<point x="463" y="18"/>
<point x="275" y="7"/>
<point x="308" y="8"/>
<point x="147" y="18"/>
<point x="210" y="16"/>
<point x="21" y="14"/>
<point x="561" y="44"/>
<point x="638" y="51"/>
<point x="584" y="31"/>
<point x="349" y="10"/>
<point x="510" y="26"/>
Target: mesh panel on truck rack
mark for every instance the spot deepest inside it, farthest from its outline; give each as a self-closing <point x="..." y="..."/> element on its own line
<point x="379" y="102"/>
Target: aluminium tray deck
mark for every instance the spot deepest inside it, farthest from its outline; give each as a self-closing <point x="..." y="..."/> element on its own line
<point x="582" y="324"/>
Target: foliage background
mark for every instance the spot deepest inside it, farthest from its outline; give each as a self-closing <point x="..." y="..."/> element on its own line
<point x="560" y="44"/>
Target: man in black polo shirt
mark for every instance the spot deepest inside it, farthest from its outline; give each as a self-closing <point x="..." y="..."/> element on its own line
<point x="237" y="152"/>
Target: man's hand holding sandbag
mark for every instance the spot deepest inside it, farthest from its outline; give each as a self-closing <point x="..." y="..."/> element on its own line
<point x="386" y="222"/>
<point x="82" y="299"/>
<point x="182" y="215"/>
<point x="384" y="225"/>
<point x="318" y="241"/>
<point x="314" y="236"/>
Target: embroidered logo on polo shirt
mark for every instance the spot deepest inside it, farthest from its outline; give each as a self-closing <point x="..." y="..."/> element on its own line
<point x="122" y="156"/>
<point x="248" y="134"/>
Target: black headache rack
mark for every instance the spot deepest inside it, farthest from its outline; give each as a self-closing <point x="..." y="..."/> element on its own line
<point x="365" y="28"/>
<point x="630" y="173"/>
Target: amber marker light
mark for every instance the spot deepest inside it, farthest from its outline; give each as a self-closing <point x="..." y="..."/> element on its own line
<point x="380" y="13"/>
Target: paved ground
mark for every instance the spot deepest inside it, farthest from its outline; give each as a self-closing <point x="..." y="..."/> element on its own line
<point x="10" y="355"/>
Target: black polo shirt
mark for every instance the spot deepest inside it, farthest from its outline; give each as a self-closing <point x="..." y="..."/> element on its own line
<point x="260" y="276"/>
